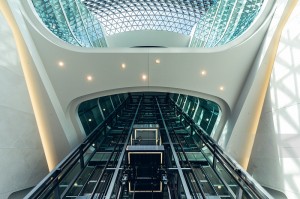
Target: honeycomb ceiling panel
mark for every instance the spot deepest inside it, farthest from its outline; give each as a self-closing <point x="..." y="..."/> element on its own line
<point x="169" y="15"/>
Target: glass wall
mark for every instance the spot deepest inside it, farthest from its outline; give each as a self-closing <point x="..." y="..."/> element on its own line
<point x="71" y="21"/>
<point x="224" y="21"/>
<point x="205" y="113"/>
<point x="215" y="22"/>
<point x="94" y="112"/>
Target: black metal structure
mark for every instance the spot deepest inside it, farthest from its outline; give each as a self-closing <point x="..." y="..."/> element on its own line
<point x="178" y="161"/>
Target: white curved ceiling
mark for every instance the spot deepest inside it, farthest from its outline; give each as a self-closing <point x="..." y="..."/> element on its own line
<point x="180" y="69"/>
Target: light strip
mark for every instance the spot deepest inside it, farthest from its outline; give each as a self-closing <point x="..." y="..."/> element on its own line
<point x="31" y="86"/>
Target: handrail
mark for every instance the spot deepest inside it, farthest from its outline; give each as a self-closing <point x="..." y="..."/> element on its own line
<point x="70" y="160"/>
<point x="218" y="152"/>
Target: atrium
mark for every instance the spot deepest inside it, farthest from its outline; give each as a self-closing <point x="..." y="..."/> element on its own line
<point x="217" y="81"/>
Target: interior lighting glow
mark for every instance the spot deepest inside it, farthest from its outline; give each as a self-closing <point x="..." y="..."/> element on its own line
<point x="89" y="78"/>
<point x="221" y="88"/>
<point x="123" y="65"/>
<point x="157" y="61"/>
<point x="90" y="120"/>
<point x="144" y="77"/>
<point x="219" y="186"/>
<point x="203" y="73"/>
<point x="61" y="64"/>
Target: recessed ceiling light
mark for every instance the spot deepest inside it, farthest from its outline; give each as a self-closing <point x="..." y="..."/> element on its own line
<point x="219" y="187"/>
<point x="61" y="64"/>
<point x="203" y="72"/>
<point x="123" y="65"/>
<point x="221" y="88"/>
<point x="157" y="61"/>
<point x="90" y="120"/>
<point x="89" y="78"/>
<point x="144" y="77"/>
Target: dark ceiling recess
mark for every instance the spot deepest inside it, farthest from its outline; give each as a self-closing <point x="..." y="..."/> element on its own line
<point x="148" y="47"/>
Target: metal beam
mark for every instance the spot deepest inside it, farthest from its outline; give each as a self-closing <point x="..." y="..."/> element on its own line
<point x="114" y="178"/>
<point x="183" y="181"/>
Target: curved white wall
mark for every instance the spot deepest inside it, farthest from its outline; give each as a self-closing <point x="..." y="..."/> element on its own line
<point x="22" y="158"/>
<point x="275" y="160"/>
<point x="180" y="70"/>
<point x="148" y="38"/>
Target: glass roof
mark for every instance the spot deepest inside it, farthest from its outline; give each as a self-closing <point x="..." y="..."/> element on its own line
<point x="81" y="22"/>
<point x="71" y="21"/>
<point x="127" y="15"/>
<point x="224" y="22"/>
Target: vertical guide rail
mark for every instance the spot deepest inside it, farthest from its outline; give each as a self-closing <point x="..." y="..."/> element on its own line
<point x="244" y="181"/>
<point x="113" y="180"/>
<point x="183" y="181"/>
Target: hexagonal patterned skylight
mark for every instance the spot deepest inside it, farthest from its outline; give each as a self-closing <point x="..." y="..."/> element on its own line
<point x="127" y="15"/>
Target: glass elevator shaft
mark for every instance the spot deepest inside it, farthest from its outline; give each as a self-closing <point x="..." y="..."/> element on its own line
<point x="148" y="148"/>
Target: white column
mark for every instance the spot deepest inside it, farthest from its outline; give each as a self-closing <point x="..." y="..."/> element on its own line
<point x="245" y="117"/>
<point x="275" y="160"/>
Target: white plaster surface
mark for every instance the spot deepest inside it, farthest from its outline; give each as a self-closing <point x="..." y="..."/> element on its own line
<point x="275" y="160"/>
<point x="22" y="159"/>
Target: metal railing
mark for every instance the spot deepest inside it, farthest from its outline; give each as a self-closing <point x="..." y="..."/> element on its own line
<point x="49" y="185"/>
<point x="55" y="184"/>
<point x="242" y="178"/>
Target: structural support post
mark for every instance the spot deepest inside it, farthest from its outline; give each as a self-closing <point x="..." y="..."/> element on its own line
<point x="183" y="181"/>
<point x="114" y="178"/>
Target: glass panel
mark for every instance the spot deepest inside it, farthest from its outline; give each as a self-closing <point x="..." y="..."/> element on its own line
<point x="224" y="21"/>
<point x="121" y="16"/>
<point x="70" y="21"/>
<point x="69" y="177"/>
<point x="90" y="115"/>
<point x="115" y="100"/>
<point x="106" y="105"/>
<point x="226" y="177"/>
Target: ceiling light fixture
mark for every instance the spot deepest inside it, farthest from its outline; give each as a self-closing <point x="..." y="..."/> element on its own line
<point x="144" y="77"/>
<point x="157" y="61"/>
<point x="203" y="73"/>
<point x="221" y="88"/>
<point x="89" y="78"/>
<point x="123" y="65"/>
<point x="61" y="64"/>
